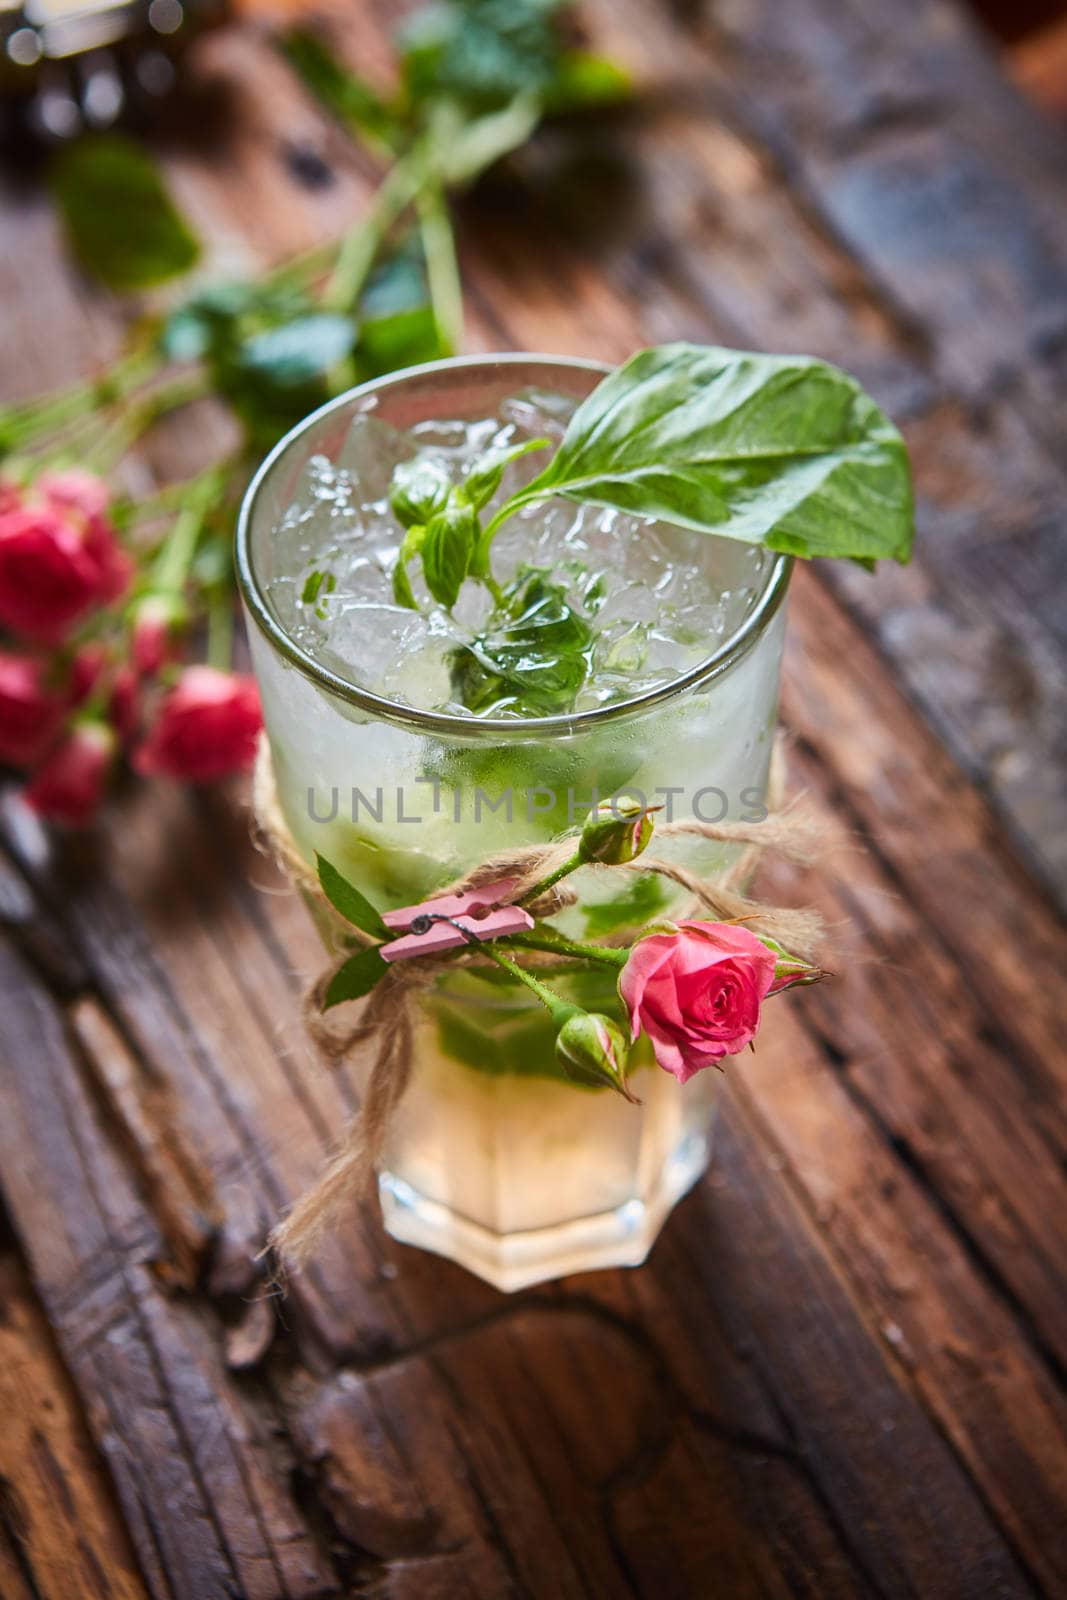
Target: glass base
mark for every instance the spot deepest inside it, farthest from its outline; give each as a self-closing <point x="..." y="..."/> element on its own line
<point x="622" y="1237"/>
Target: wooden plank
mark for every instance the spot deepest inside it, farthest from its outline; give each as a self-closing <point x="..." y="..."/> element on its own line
<point x="933" y="199"/>
<point x="737" y="1264"/>
<point x="1038" y="64"/>
<point x="60" y="1533"/>
<point x="740" y="1353"/>
<point x="201" y="1461"/>
<point x="540" y="1454"/>
<point x="200" y="1471"/>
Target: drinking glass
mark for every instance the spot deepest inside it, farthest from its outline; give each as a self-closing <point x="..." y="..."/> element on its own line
<point x="493" y="1157"/>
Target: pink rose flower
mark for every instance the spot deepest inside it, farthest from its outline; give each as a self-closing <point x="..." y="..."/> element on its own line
<point x="69" y="785"/>
<point x="30" y="712"/>
<point x="697" y="993"/>
<point x="207" y="727"/>
<point x="59" y="560"/>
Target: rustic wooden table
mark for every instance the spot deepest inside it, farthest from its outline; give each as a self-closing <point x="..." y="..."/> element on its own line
<point x="841" y="1372"/>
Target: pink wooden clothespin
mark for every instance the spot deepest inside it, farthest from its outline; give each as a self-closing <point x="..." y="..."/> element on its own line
<point x="469" y="915"/>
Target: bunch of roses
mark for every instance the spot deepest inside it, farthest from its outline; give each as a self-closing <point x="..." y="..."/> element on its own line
<point x="90" y="659"/>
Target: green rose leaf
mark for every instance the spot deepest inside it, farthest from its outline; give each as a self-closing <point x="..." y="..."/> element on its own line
<point x="122" y="224"/>
<point x="299" y="351"/>
<point x="346" y="898"/>
<point x="356" y="978"/>
<point x="783" y="451"/>
<point x="446" y="551"/>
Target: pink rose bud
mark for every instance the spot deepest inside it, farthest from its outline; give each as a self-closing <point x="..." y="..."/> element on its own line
<point x="697" y="992"/>
<point x="30" y="712"/>
<point x="159" y="620"/>
<point x="69" y="785"/>
<point x="207" y="727"/>
<point x="592" y="1050"/>
<point x="789" y="970"/>
<point x="614" y="837"/>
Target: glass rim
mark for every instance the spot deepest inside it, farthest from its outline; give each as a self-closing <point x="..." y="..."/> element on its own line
<point x="731" y="650"/>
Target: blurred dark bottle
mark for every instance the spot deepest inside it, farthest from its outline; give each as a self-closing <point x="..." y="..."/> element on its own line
<point x="67" y="65"/>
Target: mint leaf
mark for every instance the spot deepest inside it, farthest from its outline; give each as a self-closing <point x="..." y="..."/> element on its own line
<point x="403" y="593"/>
<point x="419" y="490"/>
<point x="483" y="479"/>
<point x="532" y="659"/>
<point x="446" y="551"/>
<point x="346" y="898"/>
<point x="480" y="53"/>
<point x="643" y="896"/>
<point x="783" y="451"/>
<point x="356" y="978"/>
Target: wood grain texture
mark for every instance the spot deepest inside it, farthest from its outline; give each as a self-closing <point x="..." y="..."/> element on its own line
<point x="842" y="1371"/>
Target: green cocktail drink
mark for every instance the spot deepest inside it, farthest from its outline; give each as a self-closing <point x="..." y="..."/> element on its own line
<point x="604" y="656"/>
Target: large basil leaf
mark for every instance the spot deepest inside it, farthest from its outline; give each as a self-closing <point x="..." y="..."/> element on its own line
<point x="122" y="224"/>
<point x="783" y="451"/>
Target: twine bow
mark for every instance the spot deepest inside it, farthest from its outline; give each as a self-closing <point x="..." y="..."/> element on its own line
<point x="386" y="1017"/>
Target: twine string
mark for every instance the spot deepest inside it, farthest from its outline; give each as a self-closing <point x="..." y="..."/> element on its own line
<point x="385" y="1019"/>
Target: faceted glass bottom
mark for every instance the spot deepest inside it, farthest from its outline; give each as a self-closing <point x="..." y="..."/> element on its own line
<point x="509" y="1261"/>
<point x="526" y="1180"/>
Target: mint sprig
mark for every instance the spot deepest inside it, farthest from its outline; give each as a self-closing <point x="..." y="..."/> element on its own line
<point x="786" y="452"/>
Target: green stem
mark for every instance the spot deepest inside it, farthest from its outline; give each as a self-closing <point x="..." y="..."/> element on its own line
<point x="21" y="424"/>
<point x="570" y="865"/>
<point x="442" y="266"/>
<point x="362" y="242"/>
<point x="480" y="559"/>
<point x="559" y="1008"/>
<point x="302" y="270"/>
<point x="220" y="629"/>
<point x="123" y="434"/>
<point x="557" y="944"/>
<point x="171" y="497"/>
<point x="176" y="555"/>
